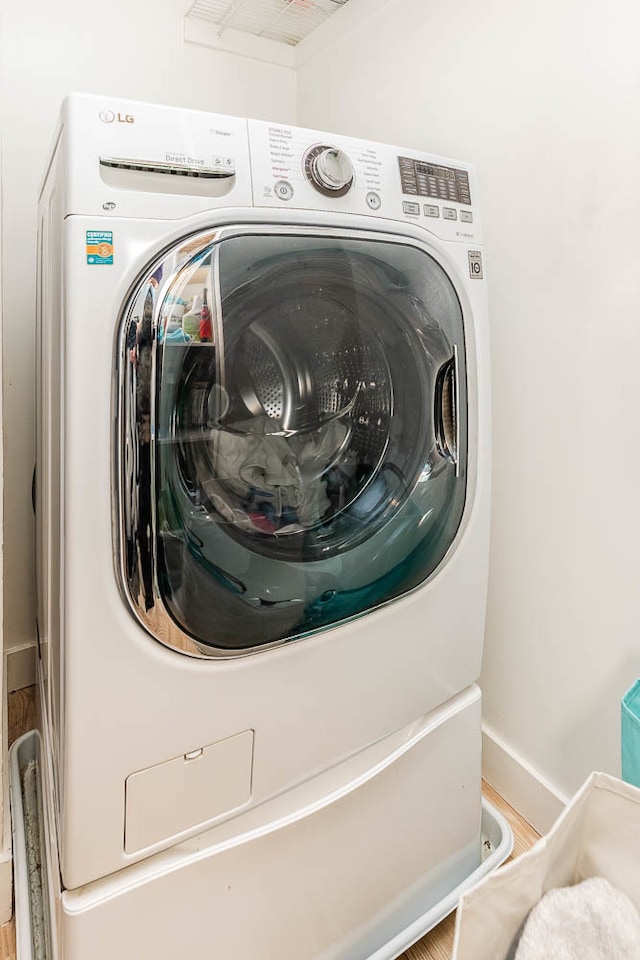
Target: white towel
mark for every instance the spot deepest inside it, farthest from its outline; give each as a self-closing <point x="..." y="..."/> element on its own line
<point x="589" y="921"/>
<point x="287" y="469"/>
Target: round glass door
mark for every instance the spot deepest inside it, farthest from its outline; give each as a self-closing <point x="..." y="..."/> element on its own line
<point x="293" y="434"/>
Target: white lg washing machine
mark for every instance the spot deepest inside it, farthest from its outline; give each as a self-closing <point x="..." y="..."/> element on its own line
<point x="262" y="501"/>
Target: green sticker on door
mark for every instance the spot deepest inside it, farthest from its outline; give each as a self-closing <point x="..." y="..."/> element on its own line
<point x="99" y="247"/>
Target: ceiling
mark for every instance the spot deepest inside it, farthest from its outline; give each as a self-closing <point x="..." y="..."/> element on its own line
<point x="283" y="21"/>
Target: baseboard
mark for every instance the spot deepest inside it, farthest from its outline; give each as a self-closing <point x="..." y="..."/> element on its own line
<point x="521" y="785"/>
<point x="21" y="667"/>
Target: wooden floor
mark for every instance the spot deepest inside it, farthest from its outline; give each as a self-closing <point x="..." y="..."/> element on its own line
<point x="437" y="945"/>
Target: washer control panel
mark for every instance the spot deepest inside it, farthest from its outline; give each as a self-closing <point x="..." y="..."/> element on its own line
<point x="305" y="169"/>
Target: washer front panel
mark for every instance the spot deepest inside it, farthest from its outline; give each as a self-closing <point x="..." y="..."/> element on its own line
<point x="293" y="430"/>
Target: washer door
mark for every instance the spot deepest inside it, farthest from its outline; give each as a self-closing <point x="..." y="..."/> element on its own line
<point x="293" y="432"/>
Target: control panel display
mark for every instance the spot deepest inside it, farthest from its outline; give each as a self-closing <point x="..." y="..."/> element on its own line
<point x="431" y="180"/>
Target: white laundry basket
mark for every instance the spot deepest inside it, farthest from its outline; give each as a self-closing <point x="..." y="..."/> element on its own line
<point x="32" y="879"/>
<point x="597" y="835"/>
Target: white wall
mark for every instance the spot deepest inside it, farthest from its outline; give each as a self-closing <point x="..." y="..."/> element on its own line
<point x="125" y="49"/>
<point x="545" y="98"/>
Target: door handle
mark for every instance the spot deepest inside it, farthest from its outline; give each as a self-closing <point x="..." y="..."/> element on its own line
<point x="446" y="414"/>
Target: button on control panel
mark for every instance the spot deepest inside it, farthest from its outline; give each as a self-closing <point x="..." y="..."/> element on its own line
<point x="431" y="210"/>
<point x="411" y="208"/>
<point x="283" y="190"/>
<point x="373" y="200"/>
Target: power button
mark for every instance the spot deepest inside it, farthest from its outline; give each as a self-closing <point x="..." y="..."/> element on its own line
<point x="284" y="190"/>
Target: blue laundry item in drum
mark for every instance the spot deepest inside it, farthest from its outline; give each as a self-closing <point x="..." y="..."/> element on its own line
<point x="370" y="500"/>
<point x="630" y="732"/>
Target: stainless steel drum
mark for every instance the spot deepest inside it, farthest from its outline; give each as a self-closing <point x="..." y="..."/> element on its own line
<point x="316" y="361"/>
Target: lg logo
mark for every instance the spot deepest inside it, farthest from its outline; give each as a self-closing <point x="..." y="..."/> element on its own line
<point x="108" y="116"/>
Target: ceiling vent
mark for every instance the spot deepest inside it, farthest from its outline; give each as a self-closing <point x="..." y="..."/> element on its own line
<point x="282" y="21"/>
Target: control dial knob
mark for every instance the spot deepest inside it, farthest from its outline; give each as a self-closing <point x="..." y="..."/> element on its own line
<point x="329" y="170"/>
